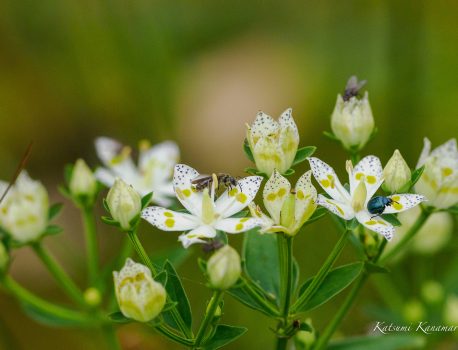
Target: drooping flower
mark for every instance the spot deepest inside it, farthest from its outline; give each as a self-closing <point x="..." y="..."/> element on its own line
<point x="396" y="173"/>
<point x="439" y="181"/>
<point x="206" y="213"/>
<point x="288" y="210"/>
<point x="124" y="203"/>
<point x="352" y="121"/>
<point x="224" y="268"/>
<point x="273" y="144"/>
<point x="153" y="173"/>
<point x="24" y="211"/>
<point x="139" y="296"/>
<point x="365" y="179"/>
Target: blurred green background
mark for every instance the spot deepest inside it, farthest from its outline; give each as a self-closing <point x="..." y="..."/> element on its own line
<point x="196" y="72"/>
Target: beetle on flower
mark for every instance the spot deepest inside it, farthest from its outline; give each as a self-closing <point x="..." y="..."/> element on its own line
<point x="365" y="179"/>
<point x="206" y="212"/>
<point x="153" y="173"/>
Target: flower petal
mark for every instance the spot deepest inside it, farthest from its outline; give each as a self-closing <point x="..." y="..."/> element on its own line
<point x="446" y="150"/>
<point x="328" y="180"/>
<point x="370" y="170"/>
<point x="263" y="125"/>
<point x="338" y="208"/>
<point x="286" y="121"/>
<point x="186" y="194"/>
<point x="105" y="176"/>
<point x="168" y="220"/>
<point x="198" y="235"/>
<point x="376" y="224"/>
<point x="236" y="199"/>
<point x="159" y="161"/>
<point x="306" y="196"/>
<point x="403" y="202"/>
<point x="275" y="193"/>
<point x="424" y="153"/>
<point x="236" y="225"/>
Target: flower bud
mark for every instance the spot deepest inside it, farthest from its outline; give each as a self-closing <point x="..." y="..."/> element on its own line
<point x="224" y="268"/>
<point x="396" y="173"/>
<point x="82" y="181"/>
<point x="124" y="203"/>
<point x="352" y="121"/>
<point x="4" y="258"/>
<point x="24" y="211"/>
<point x="139" y="296"/>
<point x="273" y="144"/>
<point x="92" y="296"/>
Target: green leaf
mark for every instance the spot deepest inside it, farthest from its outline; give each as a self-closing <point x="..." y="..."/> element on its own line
<point x="240" y="292"/>
<point x="224" y="335"/>
<point x="374" y="268"/>
<point x="146" y="200"/>
<point x="68" y="318"/>
<point x="385" y="342"/>
<point x="392" y="219"/>
<point x="303" y="153"/>
<point x="161" y="277"/>
<point x="53" y="230"/>
<point x="416" y="174"/>
<point x="247" y="150"/>
<point x="260" y="254"/>
<point x="337" y="280"/>
<point x="118" y="317"/>
<point x="330" y="136"/>
<point x="176" y="293"/>
<point x="54" y="210"/>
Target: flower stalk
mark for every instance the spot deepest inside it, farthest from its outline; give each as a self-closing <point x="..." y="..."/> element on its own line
<point x="209" y="316"/>
<point x="92" y="247"/>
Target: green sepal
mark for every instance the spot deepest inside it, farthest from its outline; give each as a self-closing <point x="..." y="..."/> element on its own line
<point x="105" y="205"/>
<point x="416" y="175"/>
<point x="352" y="224"/>
<point x="254" y="171"/>
<point x="330" y="135"/>
<point x="54" y="210"/>
<point x="247" y="150"/>
<point x="146" y="200"/>
<point x="453" y="210"/>
<point x="53" y="230"/>
<point x="118" y="317"/>
<point x="110" y="221"/>
<point x="303" y="153"/>
<point x="223" y="335"/>
<point x="289" y="172"/>
<point x="392" y="219"/>
<point x="336" y="281"/>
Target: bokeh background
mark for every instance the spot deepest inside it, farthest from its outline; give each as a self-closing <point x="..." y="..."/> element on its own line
<point x="196" y="72"/>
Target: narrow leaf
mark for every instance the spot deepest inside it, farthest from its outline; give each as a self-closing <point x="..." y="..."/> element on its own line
<point x="416" y="174"/>
<point x="247" y="150"/>
<point x="303" y="153"/>
<point x="224" y="335"/>
<point x="54" y="210"/>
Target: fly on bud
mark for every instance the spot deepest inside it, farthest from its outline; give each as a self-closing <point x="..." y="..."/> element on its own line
<point x="224" y="268"/>
<point x="139" y="296"/>
<point x="124" y="204"/>
<point x="352" y="122"/>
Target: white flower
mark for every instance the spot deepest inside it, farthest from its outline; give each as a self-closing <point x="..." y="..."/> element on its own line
<point x="273" y="144"/>
<point x="439" y="181"/>
<point x="206" y="215"/>
<point x="288" y="210"/>
<point x="139" y="296"/>
<point x="154" y="171"/>
<point x="124" y="203"/>
<point x="365" y="179"/>
<point x="24" y="211"/>
<point x="352" y="121"/>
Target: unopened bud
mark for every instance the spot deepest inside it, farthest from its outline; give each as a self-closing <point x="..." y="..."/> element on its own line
<point x="396" y="173"/>
<point x="124" y="204"/>
<point x="82" y="181"/>
<point x="224" y="268"/>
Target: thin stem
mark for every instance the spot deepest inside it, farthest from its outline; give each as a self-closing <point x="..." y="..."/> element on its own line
<point x="92" y="247"/>
<point x="61" y="277"/>
<point x="259" y="298"/>
<point x="147" y="261"/>
<point x="424" y="215"/>
<point x="29" y="298"/>
<point x="349" y="300"/>
<point x="285" y="255"/>
<point x="282" y="342"/>
<point x="209" y="316"/>
<point x="322" y="273"/>
<point x="111" y="338"/>
<point x="171" y="335"/>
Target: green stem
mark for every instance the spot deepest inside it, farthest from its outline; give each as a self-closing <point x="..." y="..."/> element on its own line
<point x="349" y="300"/>
<point x="171" y="335"/>
<point x="111" y="338"/>
<point x="209" y="316"/>
<point x="424" y="215"/>
<point x="285" y="255"/>
<point x="61" y="277"/>
<point x="259" y="298"/>
<point x="44" y="306"/>
<point x="146" y="260"/>
<point x="92" y="249"/>
<point x="322" y="273"/>
<point x="282" y="342"/>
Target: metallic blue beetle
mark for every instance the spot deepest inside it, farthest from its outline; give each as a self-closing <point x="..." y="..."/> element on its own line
<point x="378" y="204"/>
